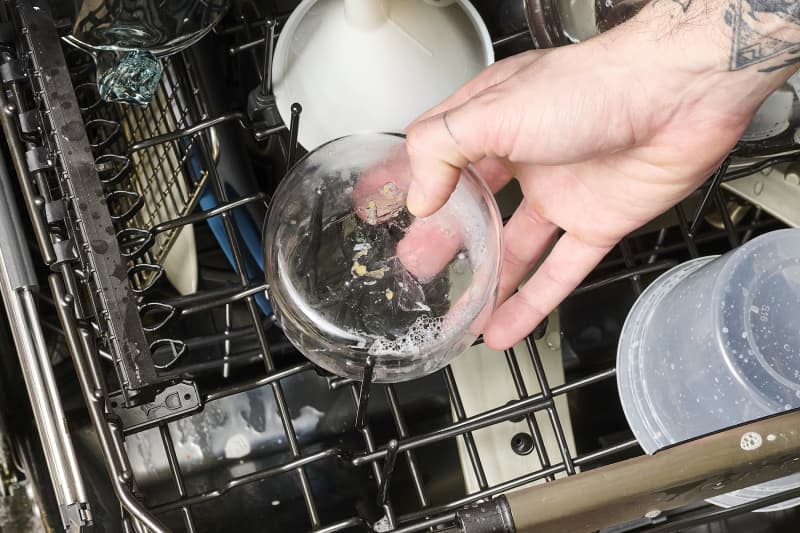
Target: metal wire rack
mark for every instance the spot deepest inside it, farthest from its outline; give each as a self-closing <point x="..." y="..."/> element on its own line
<point x="145" y="165"/>
<point x="151" y="185"/>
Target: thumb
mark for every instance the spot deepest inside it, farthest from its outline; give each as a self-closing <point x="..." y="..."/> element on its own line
<point x="440" y="145"/>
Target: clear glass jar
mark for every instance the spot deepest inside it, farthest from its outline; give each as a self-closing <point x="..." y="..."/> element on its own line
<point x="352" y="273"/>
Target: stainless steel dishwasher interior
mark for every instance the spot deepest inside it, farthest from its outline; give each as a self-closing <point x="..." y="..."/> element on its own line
<point x="215" y="422"/>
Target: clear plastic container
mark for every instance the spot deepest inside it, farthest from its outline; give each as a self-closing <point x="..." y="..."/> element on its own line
<point x="352" y="273"/>
<point x="713" y="343"/>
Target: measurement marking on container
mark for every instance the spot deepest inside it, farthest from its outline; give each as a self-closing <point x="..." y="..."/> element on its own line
<point x="755" y="309"/>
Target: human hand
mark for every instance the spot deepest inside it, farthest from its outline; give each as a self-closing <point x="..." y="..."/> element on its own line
<point x="602" y="136"/>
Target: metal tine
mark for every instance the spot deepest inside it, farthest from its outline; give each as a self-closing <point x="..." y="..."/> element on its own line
<point x="369" y="443"/>
<point x="691" y="243"/>
<point x="402" y="431"/>
<point x="662" y="235"/>
<point x="235" y="50"/>
<point x="100" y="125"/>
<point x="749" y="233"/>
<point x="627" y="256"/>
<point x="269" y="47"/>
<point x="227" y="343"/>
<point x="208" y="296"/>
<point x="175" y="346"/>
<point x="134" y="242"/>
<point x="177" y="476"/>
<point x="510" y="38"/>
<point x="205" y="215"/>
<point x="388" y="469"/>
<point x="117" y="165"/>
<point x="141" y="269"/>
<point x="247" y="22"/>
<point x="160" y="312"/>
<point x="547" y="393"/>
<point x="469" y="439"/>
<point x="211" y="303"/>
<point x="294" y="127"/>
<point x="252" y="477"/>
<point x="118" y="198"/>
<point x="364" y="392"/>
<point x="628" y="273"/>
<point x="726" y="218"/>
<point x="91" y="89"/>
<point x="530" y="418"/>
<point x="189" y="131"/>
<point x="713" y="186"/>
<point x="245" y="14"/>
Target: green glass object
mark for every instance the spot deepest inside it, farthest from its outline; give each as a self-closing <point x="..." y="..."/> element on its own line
<point x="131" y="80"/>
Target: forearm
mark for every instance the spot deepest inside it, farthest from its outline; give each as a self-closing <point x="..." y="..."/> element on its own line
<point x="748" y="48"/>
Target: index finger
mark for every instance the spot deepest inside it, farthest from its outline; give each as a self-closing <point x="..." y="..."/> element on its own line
<point x="441" y="176"/>
<point x="570" y="261"/>
<point x="441" y="145"/>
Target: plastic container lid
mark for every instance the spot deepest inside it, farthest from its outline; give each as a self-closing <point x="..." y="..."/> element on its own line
<point x="352" y="273"/>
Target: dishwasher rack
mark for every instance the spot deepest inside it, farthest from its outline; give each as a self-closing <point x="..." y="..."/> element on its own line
<point x="88" y="215"/>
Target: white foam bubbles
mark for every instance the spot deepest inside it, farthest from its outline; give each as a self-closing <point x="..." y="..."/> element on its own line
<point x="423" y="334"/>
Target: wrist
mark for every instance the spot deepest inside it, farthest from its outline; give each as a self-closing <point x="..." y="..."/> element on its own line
<point x="739" y="50"/>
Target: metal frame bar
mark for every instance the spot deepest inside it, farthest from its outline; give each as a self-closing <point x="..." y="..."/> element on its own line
<point x="80" y="191"/>
<point x="631" y="266"/>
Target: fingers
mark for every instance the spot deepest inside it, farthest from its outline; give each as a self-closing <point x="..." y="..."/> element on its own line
<point x="452" y="134"/>
<point x="380" y="191"/>
<point x="495" y="172"/>
<point x="526" y="237"/>
<point x="440" y="146"/>
<point x="429" y="245"/>
<point x="567" y="265"/>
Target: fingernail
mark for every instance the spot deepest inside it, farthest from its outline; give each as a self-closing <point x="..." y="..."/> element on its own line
<point x="415" y="199"/>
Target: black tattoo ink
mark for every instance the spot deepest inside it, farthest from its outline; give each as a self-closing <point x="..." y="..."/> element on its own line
<point x="684" y="4"/>
<point x="749" y="45"/>
<point x="786" y="9"/>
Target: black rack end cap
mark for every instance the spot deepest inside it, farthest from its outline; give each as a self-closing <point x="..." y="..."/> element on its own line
<point x="492" y="516"/>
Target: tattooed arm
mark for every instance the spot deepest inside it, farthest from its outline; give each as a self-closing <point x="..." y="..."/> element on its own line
<point x="765" y="33"/>
<point x="602" y="136"/>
